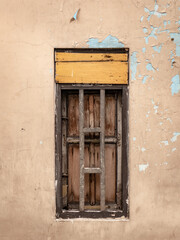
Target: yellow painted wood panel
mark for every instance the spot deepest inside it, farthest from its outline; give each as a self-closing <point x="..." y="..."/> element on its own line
<point x="68" y="57"/>
<point x="92" y="72"/>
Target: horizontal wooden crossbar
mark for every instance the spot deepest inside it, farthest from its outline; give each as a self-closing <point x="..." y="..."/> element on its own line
<point x="92" y="170"/>
<point x="92" y="130"/>
<point x="89" y="57"/>
<point x="74" y="140"/>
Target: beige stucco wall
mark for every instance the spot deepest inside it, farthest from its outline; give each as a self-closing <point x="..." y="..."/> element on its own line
<point x="29" y="32"/>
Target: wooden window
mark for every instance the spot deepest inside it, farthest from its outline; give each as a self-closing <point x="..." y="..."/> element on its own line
<point x="91" y="149"/>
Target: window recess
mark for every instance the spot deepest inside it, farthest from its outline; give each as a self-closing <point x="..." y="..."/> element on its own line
<point x="91" y="145"/>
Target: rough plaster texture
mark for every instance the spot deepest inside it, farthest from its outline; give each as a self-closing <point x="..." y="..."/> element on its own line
<point x="30" y="30"/>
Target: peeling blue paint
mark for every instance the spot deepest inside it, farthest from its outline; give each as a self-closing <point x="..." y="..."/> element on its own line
<point x="134" y="139"/>
<point x="172" y="59"/>
<point x="157" y="48"/>
<point x="165" y="163"/>
<point x="144" y="79"/>
<point x="155" y="108"/>
<point x="143" y="167"/>
<point x="174" y="138"/>
<point x="165" y="23"/>
<point x="175" y="86"/>
<point x="108" y="42"/>
<point x="176" y="37"/>
<point x="51" y="71"/>
<point x="169" y="119"/>
<point x="147" y="115"/>
<point x="143" y="49"/>
<point x="152" y="34"/>
<point x="154" y="12"/>
<point x="145" y="30"/>
<point x="75" y="15"/>
<point x="142" y="18"/>
<point x="143" y="149"/>
<point x="165" y="143"/>
<point x="149" y="67"/>
<point x="162" y="31"/>
<point x="134" y="64"/>
<point x="172" y="62"/>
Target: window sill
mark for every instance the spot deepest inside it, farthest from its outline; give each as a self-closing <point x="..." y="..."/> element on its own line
<point x="119" y="219"/>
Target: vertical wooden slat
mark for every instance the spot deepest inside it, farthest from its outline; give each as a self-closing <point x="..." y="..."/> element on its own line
<point x="119" y="148"/>
<point x="64" y="150"/>
<point x="81" y="148"/>
<point x="125" y="104"/>
<point x="73" y="173"/>
<point x="58" y="146"/>
<point x="102" y="125"/>
<point x="92" y="163"/>
<point x="64" y="134"/>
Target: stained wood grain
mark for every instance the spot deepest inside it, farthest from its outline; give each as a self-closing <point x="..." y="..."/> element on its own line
<point x="112" y="72"/>
<point x="73" y="115"/>
<point x="74" y="57"/>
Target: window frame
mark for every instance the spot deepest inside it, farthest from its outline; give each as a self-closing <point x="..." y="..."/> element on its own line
<point x="64" y="214"/>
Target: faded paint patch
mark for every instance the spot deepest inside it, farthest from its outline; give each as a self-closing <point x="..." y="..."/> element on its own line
<point x="108" y="42"/>
<point x="144" y="79"/>
<point x="149" y="67"/>
<point x="174" y="138"/>
<point x="51" y="71"/>
<point x="174" y="149"/>
<point x="142" y="18"/>
<point x="165" y="23"/>
<point x="145" y="30"/>
<point x="170" y="120"/>
<point x="152" y="34"/>
<point x="165" y="143"/>
<point x="154" y="106"/>
<point x="176" y="37"/>
<point x="134" y="139"/>
<point x="143" y="149"/>
<point x="157" y="48"/>
<point x="143" y="49"/>
<point x="175" y="86"/>
<point x="147" y="115"/>
<point x="143" y="167"/>
<point x="134" y="64"/>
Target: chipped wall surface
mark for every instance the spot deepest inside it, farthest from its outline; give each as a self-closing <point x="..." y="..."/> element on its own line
<point x="30" y="30"/>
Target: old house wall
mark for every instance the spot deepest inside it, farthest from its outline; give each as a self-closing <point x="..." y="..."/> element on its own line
<point x="30" y="30"/>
